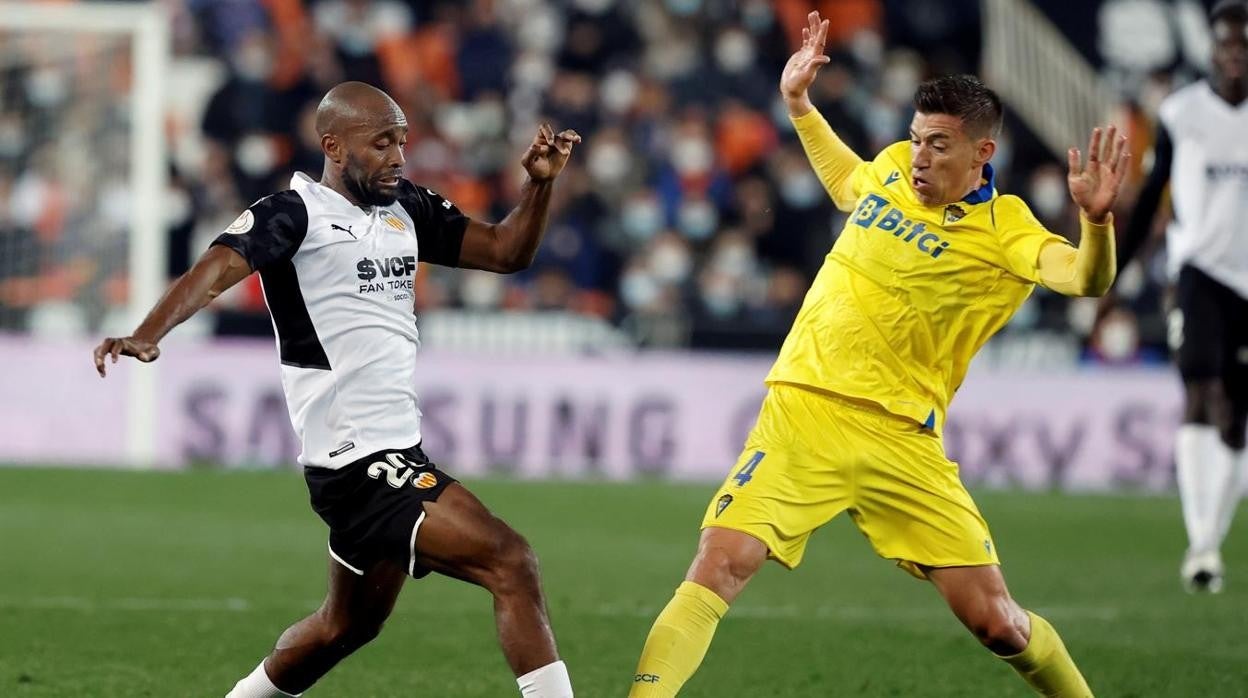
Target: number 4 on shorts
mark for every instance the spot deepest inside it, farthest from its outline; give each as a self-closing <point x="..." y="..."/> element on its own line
<point x="746" y="473"/>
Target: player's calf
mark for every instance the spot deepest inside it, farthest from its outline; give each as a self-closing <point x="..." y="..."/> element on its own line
<point x="979" y="598"/>
<point x="462" y="539"/>
<point x="306" y="652"/>
<point x="682" y="633"/>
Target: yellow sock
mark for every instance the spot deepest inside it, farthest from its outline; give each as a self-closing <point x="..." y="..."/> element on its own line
<point x="1046" y="665"/>
<point x="677" y="641"/>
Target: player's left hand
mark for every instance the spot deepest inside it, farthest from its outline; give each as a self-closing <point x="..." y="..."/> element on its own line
<point x="1095" y="187"/>
<point x="140" y="349"/>
<point x="547" y="155"/>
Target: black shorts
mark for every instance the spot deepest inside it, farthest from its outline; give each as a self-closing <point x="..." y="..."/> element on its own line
<point x="1209" y="332"/>
<point x="374" y="507"/>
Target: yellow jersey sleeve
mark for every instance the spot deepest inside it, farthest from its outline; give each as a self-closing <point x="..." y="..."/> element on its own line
<point x="1021" y="236"/>
<point x="839" y="169"/>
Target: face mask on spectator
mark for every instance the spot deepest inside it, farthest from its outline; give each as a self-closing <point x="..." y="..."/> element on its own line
<point x="641" y="218"/>
<point x="540" y="28"/>
<point x="757" y="16"/>
<point x="1118" y="338"/>
<point x="800" y="190"/>
<point x="609" y="162"/>
<point x="1048" y="195"/>
<point x="619" y="91"/>
<point x="697" y="219"/>
<point x="670" y="262"/>
<point x="252" y="62"/>
<point x="692" y="156"/>
<point x="684" y="8"/>
<point x="719" y="296"/>
<point x="736" y="259"/>
<point x="47" y="87"/>
<point x="638" y="289"/>
<point x="734" y="51"/>
<point x="481" y="290"/>
<point x="490" y="118"/>
<point x="900" y="80"/>
<point x="255" y="155"/>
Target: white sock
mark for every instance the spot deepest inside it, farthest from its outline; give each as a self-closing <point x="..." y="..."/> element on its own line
<point x="1232" y="489"/>
<point x="257" y="685"/>
<point x="550" y="681"/>
<point x="1203" y="469"/>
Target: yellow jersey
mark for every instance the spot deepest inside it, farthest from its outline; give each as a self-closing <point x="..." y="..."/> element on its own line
<point x="909" y="293"/>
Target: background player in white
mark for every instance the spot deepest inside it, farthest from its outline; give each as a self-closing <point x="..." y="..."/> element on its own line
<point x="337" y="260"/>
<point x="1201" y="151"/>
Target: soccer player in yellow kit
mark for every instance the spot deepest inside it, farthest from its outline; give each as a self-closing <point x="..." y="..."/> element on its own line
<point x="931" y="263"/>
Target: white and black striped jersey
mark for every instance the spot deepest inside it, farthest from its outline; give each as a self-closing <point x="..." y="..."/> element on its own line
<point x="339" y="283"/>
<point x="1202" y="152"/>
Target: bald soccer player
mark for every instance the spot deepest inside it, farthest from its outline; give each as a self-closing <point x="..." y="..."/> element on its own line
<point x="337" y="259"/>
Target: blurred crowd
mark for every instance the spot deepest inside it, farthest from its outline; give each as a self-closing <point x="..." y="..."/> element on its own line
<point x="688" y="217"/>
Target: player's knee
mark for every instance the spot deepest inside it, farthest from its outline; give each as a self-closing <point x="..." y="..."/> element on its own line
<point x="514" y="568"/>
<point x="1227" y="419"/>
<point x="724" y="570"/>
<point x="1200" y="404"/>
<point x="999" y="630"/>
<point x="351" y="633"/>
<point x="1234" y="433"/>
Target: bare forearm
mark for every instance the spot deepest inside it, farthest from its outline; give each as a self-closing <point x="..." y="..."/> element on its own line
<point x="521" y="231"/>
<point x="183" y="299"/>
<point x="1088" y="270"/>
<point x="219" y="269"/>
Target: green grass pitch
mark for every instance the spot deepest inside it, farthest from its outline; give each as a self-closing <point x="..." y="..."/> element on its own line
<point x="150" y="584"/>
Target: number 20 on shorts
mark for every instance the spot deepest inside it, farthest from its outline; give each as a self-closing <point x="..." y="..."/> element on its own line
<point x="746" y="473"/>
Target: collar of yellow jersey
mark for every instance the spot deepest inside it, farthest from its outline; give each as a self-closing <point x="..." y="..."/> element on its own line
<point x="987" y="183"/>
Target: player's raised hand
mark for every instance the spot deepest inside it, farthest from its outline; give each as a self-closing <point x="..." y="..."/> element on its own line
<point x="548" y="153"/>
<point x="142" y="350"/>
<point x="1094" y="187"/>
<point x="804" y="65"/>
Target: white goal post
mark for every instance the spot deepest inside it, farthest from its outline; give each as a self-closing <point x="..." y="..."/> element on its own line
<point x="147" y="27"/>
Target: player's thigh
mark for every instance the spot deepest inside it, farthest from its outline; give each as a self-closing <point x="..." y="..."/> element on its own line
<point x="362" y="599"/>
<point x="461" y="538"/>
<point x="788" y="480"/>
<point x="912" y="505"/>
<point x="1235" y="368"/>
<point x="1197" y="330"/>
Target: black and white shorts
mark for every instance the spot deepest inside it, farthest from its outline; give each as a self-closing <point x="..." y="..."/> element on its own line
<point x="1209" y="332"/>
<point x="375" y="506"/>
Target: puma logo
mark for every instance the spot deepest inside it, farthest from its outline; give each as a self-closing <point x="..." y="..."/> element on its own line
<point x="347" y="230"/>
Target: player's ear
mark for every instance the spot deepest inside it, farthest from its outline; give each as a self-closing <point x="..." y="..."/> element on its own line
<point x="332" y="147"/>
<point x="984" y="150"/>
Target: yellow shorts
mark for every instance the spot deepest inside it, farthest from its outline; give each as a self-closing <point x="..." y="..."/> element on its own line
<point x="812" y="455"/>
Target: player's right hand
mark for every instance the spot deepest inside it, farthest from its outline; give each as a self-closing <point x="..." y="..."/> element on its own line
<point x="142" y="350"/>
<point x="804" y="65"/>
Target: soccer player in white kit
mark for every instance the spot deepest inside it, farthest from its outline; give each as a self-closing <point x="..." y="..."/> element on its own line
<point x="1202" y="153"/>
<point x="337" y="260"/>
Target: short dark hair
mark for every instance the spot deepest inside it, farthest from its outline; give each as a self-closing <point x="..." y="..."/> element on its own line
<point x="1230" y="10"/>
<point x="965" y="97"/>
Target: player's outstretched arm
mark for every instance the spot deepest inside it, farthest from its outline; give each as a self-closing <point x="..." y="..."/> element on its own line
<point x="1090" y="269"/>
<point x="511" y="244"/>
<point x="217" y="270"/>
<point x="833" y="161"/>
